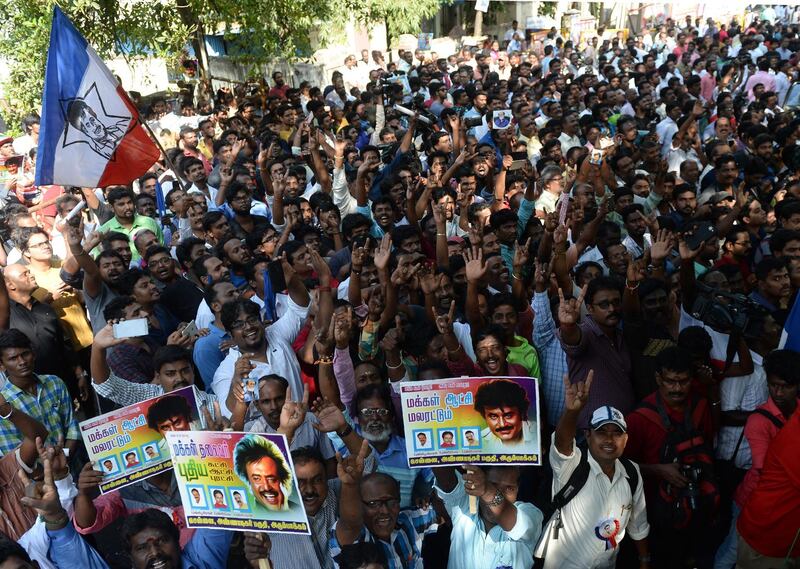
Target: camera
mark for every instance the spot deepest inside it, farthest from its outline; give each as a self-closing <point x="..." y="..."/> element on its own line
<point x="692" y="491"/>
<point x="472" y="122"/>
<point x="728" y="312"/>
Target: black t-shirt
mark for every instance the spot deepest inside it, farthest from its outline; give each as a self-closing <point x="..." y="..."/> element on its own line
<point x="182" y="297"/>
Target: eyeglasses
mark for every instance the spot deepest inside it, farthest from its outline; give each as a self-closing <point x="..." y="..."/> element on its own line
<point x="42" y="245"/>
<point x="376" y="504"/>
<point x="606" y="304"/>
<point x="251" y="321"/>
<point x="370" y="412"/>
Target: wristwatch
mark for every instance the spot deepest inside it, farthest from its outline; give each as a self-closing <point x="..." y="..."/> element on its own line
<point x="347" y="430"/>
<point x="497" y="500"/>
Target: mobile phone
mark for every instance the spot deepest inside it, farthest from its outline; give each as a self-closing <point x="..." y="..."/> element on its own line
<point x="131" y="328"/>
<point x="276" y="277"/>
<point x="517" y="165"/>
<point x="190" y="331"/>
<point x="700" y="235"/>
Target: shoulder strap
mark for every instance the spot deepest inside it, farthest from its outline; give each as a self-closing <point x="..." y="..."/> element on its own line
<point x="775" y="420"/>
<point x="698" y="411"/>
<point x="633" y="474"/>
<point x="576" y="481"/>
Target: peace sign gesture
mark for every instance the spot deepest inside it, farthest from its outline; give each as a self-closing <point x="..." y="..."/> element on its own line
<point x="569" y="311"/>
<point x="350" y="469"/>
<point x="577" y="394"/>
<point x="293" y="413"/>
<point x="444" y="322"/>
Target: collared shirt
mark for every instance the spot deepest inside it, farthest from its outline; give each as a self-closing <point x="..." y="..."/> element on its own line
<point x="552" y="359"/>
<point x="547" y="202"/>
<point x="132" y="361"/>
<point x="611" y="362"/>
<point x="139" y="222"/>
<point x="404" y="551"/>
<point x="633" y="247"/>
<point x="305" y="435"/>
<point x="281" y="359"/>
<point x="211" y="197"/>
<point x="740" y="393"/>
<point x="666" y="130"/>
<point x="40" y="324"/>
<point x="51" y="406"/>
<point x="568" y="142"/>
<point x="599" y="502"/>
<point x="311" y="551"/>
<point x="472" y="547"/>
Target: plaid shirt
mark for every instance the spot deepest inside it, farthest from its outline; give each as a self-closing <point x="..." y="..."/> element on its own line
<point x="405" y="549"/>
<point x="552" y="359"/>
<point x="124" y="392"/>
<point x="51" y="406"/>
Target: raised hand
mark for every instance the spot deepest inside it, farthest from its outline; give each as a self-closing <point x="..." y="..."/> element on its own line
<point x="105" y="339"/>
<point x="383" y="253"/>
<point x="350" y="469"/>
<point x="521" y="255"/>
<point x="636" y="271"/>
<point x="444" y="322"/>
<point x="661" y="246"/>
<point x="43" y="498"/>
<point x="569" y="311"/>
<point x="343" y="329"/>
<point x="686" y="253"/>
<point x="541" y="278"/>
<point x="293" y="413"/>
<point x="320" y="267"/>
<point x="218" y="422"/>
<point x="474" y="480"/>
<point x="577" y="394"/>
<point x="58" y="460"/>
<point x="475" y="267"/>
<point x="89" y="480"/>
<point x="243" y="366"/>
<point x="330" y="418"/>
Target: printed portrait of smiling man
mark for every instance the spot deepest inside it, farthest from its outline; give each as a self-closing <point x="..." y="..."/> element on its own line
<point x="504" y="406"/>
<point x="259" y="463"/>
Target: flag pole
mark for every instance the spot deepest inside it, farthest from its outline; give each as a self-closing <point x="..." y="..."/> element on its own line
<point x="164" y="152"/>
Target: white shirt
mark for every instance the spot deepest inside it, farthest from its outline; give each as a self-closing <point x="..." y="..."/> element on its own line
<point x="281" y="359"/>
<point x="472" y="547"/>
<point x="600" y="500"/>
<point x="568" y="142"/>
<point x="633" y="247"/>
<point x="211" y="201"/>
<point x="666" y="130"/>
<point x="741" y="393"/>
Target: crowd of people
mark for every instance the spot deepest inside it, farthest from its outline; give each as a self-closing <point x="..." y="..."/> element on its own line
<point x="619" y="220"/>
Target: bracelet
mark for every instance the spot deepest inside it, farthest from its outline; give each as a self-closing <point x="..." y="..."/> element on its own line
<point x="514" y="275"/>
<point x="347" y="430"/>
<point x="398" y="366"/>
<point x="324" y="360"/>
<point x="7" y="416"/>
<point x="441" y="234"/>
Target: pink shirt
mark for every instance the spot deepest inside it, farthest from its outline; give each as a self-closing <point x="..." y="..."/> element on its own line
<point x="763" y="77"/>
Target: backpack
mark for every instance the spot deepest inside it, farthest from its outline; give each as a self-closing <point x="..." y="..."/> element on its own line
<point x="685" y="444"/>
<point x="577" y="480"/>
<point x="772" y="418"/>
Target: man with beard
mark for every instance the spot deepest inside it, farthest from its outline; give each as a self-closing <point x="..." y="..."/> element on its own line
<point x="237" y="256"/>
<point x="598" y="343"/>
<point x="207" y="352"/>
<point x="684" y="203"/>
<point x="504" y="406"/>
<point x="126" y="220"/>
<point x="238" y="203"/>
<point x="180" y="294"/>
<point x="320" y="496"/>
<point x="375" y="423"/>
<point x="195" y="172"/>
<point x="638" y="239"/>
<point x="258" y="351"/>
<point x="674" y="399"/>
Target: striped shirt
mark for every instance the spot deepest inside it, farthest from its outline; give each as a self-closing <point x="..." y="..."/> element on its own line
<point x="124" y="392"/>
<point x="405" y="548"/>
<point x="552" y="359"/>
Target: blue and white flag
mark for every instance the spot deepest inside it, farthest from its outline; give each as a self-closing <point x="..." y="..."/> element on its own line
<point x="790" y="338"/>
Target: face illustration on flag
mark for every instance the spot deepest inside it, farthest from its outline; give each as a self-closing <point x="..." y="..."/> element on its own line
<point x="90" y="134"/>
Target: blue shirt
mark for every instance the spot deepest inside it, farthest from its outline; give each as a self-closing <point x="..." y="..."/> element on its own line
<point x="207" y="355"/>
<point x="208" y="549"/>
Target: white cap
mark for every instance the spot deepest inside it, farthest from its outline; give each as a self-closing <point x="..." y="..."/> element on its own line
<point x="607" y="414"/>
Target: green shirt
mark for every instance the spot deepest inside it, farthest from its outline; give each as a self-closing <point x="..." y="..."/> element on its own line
<point x="525" y="355"/>
<point x="139" y="222"/>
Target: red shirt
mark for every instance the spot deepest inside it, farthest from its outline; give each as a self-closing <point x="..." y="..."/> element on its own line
<point x="759" y="431"/>
<point x="769" y="520"/>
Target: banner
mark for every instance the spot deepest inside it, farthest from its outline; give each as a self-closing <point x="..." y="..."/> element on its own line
<point x="472" y="420"/>
<point x="128" y="444"/>
<point x="237" y="481"/>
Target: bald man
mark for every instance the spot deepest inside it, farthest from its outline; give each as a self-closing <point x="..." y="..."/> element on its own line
<point x="39" y="322"/>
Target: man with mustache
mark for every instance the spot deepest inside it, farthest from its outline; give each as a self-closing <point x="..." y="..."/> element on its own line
<point x="320" y="496"/>
<point x="504" y="405"/>
<point x="598" y="343"/>
<point x="260" y="463"/>
<point x="646" y="440"/>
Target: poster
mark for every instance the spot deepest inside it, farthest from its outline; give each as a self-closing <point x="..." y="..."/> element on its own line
<point x="237" y="481"/>
<point x="482" y="6"/>
<point x="472" y="420"/>
<point x="128" y="444"/>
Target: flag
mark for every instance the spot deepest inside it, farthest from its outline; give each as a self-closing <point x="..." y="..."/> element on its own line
<point x="90" y="134"/>
<point x="790" y="338"/>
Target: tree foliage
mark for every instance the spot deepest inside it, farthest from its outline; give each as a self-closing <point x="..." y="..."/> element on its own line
<point x="258" y="29"/>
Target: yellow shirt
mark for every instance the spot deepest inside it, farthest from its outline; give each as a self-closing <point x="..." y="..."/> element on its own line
<point x="68" y="307"/>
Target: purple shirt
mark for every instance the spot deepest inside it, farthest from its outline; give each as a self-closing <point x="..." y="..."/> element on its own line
<point x="611" y="363"/>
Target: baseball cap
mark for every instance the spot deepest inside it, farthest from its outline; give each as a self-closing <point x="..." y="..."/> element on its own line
<point x="607" y="414"/>
<point x="5" y="139"/>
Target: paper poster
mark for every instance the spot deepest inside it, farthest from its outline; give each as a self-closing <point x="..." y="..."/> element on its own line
<point x="424" y="41"/>
<point x="237" y="481"/>
<point x="128" y="444"/>
<point x="472" y="420"/>
<point x="501" y="119"/>
<point x="482" y="5"/>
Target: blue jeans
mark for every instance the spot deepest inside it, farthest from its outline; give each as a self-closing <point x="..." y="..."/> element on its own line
<point x="726" y="554"/>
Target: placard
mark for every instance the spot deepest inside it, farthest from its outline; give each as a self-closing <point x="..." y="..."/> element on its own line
<point x="237" y="481"/>
<point x="472" y="420"/>
<point x="128" y="444"/>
